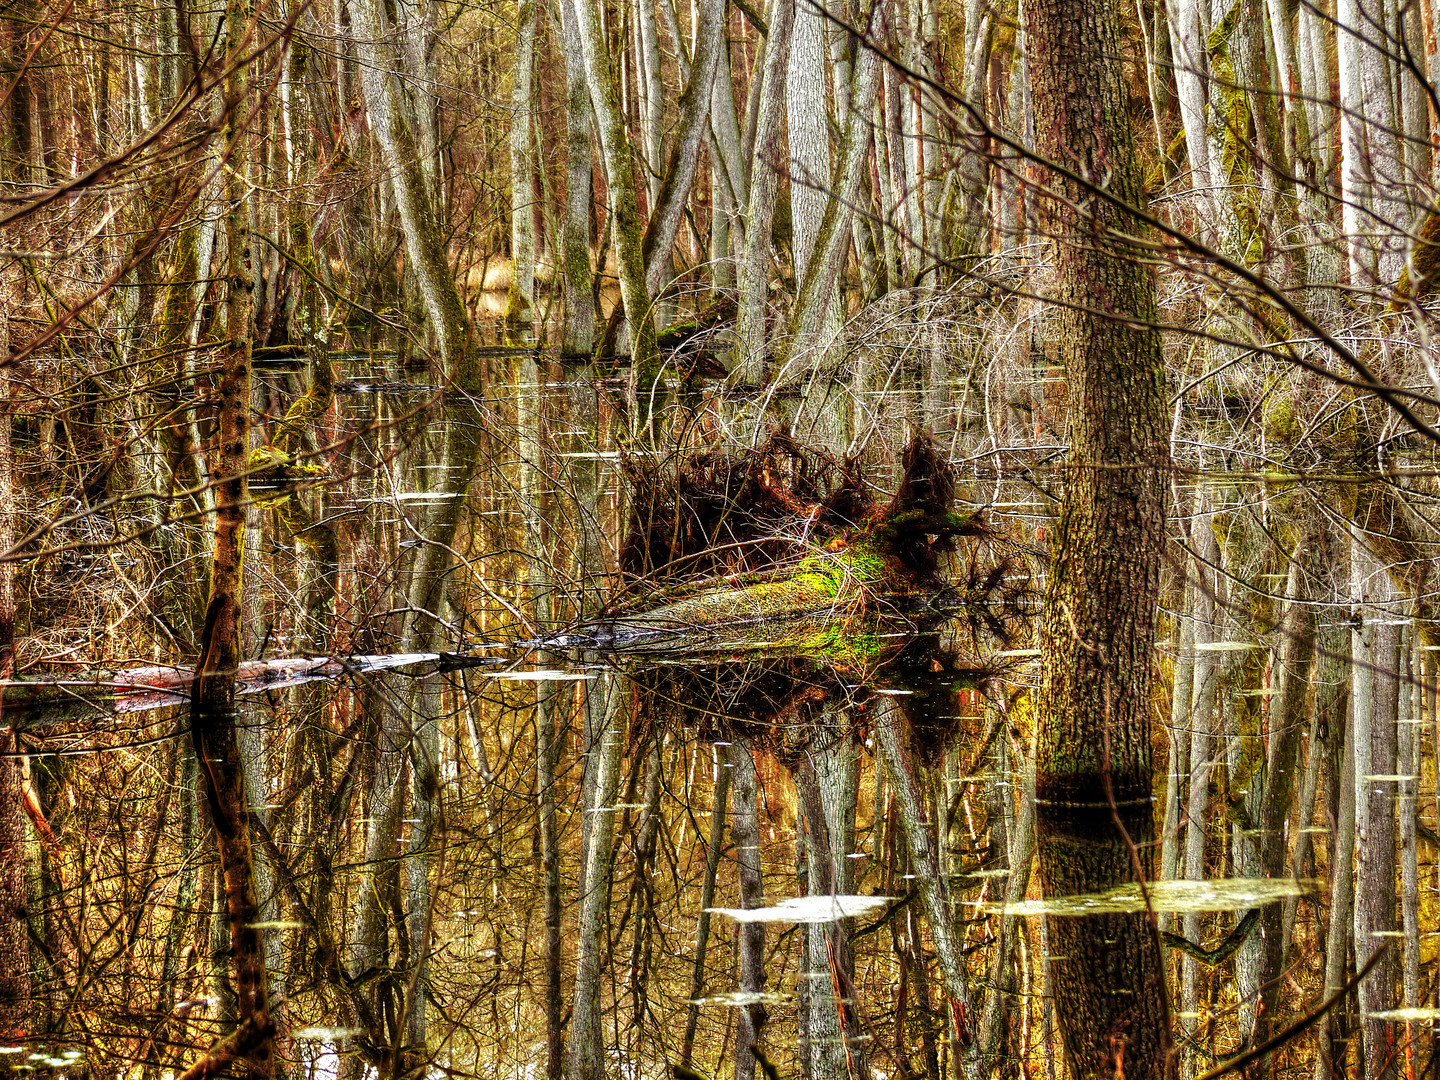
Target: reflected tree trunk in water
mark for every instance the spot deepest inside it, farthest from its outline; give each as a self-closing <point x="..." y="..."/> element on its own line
<point x="171" y="1027"/>
<point x="1182" y="696"/>
<point x="1097" y="633"/>
<point x="750" y="938"/>
<point x="546" y="754"/>
<point x="639" y="905"/>
<point x="726" y="772"/>
<point x="1408" y="766"/>
<point x="897" y="745"/>
<point x="1295" y="659"/>
<point x="1205" y="747"/>
<point x="1108" y="978"/>
<point x="826" y="784"/>
<point x="585" y="1057"/>
<point x="213" y="711"/>
<point x="1019" y="857"/>
<point x="1330" y="1058"/>
<point x="1375" y="645"/>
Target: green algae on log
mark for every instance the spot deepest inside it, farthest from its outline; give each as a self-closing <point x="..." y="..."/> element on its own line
<point x="839" y="584"/>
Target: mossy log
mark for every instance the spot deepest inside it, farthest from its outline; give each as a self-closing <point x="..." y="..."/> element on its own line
<point x="835" y="583"/>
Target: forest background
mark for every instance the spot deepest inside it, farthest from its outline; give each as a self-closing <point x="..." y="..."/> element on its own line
<point x="345" y="340"/>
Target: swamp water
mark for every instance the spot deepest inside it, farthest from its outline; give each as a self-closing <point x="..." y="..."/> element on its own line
<point x="468" y="859"/>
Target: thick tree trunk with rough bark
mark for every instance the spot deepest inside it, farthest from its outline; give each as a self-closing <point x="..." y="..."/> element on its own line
<point x="1098" y="621"/>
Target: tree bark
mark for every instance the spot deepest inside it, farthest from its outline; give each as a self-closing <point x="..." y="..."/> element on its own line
<point x="729" y="765"/>
<point x="213" y="714"/>
<point x="1098" y="619"/>
<point x="751" y="325"/>
<point x="573" y="265"/>
<point x="750" y="937"/>
<point x="624" y="210"/>
<point x="585" y="1057"/>
<point x="520" y="303"/>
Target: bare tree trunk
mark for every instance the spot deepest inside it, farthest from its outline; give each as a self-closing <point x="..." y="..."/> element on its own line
<point x="1020" y="856"/>
<point x="574" y="266"/>
<point x="816" y="317"/>
<point x="1093" y="766"/>
<point x="1371" y="170"/>
<point x="751" y="326"/>
<point x="678" y="179"/>
<point x="521" y="302"/>
<point x="546" y="754"/>
<point x="15" y="988"/>
<point x="417" y="203"/>
<point x="1409" y="769"/>
<point x="1330" y="1060"/>
<point x="1182" y="695"/>
<point x="1203" y="746"/>
<point x="1296" y="655"/>
<point x="728" y="766"/>
<point x="808" y="129"/>
<point x="624" y="210"/>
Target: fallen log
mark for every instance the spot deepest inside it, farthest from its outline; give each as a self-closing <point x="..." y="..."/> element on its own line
<point x="155" y="686"/>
